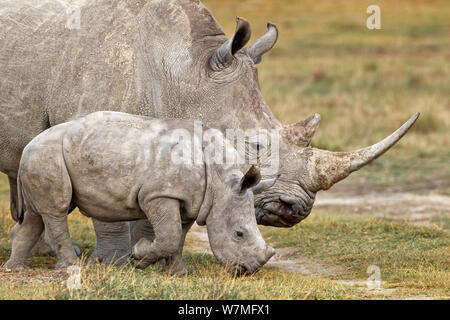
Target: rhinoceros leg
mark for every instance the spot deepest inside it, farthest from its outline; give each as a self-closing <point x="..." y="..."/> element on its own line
<point x="57" y="230"/>
<point x="41" y="247"/>
<point x="24" y="236"/>
<point x="113" y="242"/>
<point x="164" y="216"/>
<point x="13" y="198"/>
<point x="141" y="229"/>
<point x="175" y="264"/>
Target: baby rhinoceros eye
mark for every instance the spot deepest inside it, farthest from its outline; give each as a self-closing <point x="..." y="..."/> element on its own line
<point x="238" y="234"/>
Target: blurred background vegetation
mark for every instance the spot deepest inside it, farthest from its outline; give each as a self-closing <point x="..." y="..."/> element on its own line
<point x="364" y="83"/>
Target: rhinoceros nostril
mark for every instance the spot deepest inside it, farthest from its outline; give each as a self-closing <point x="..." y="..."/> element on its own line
<point x="291" y="208"/>
<point x="296" y="206"/>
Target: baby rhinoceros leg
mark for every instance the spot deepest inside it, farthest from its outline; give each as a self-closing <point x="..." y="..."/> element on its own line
<point x="175" y="264"/>
<point x="164" y="217"/>
<point x="47" y="188"/>
<point x="24" y="236"/>
<point x="58" y="231"/>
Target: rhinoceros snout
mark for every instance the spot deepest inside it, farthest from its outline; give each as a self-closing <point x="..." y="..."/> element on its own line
<point x="282" y="213"/>
<point x="270" y="252"/>
<point x="244" y="269"/>
<point x="267" y="254"/>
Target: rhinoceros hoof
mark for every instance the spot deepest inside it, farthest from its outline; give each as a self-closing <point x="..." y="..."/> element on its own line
<point x="10" y="266"/>
<point x="114" y="258"/>
<point x="180" y="271"/>
<point x="66" y="264"/>
<point x="42" y="249"/>
<point x="139" y="263"/>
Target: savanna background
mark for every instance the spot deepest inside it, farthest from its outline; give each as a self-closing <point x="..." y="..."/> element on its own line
<point x="393" y="214"/>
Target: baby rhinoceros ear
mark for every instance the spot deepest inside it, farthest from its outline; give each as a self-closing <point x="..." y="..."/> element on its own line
<point x="249" y="180"/>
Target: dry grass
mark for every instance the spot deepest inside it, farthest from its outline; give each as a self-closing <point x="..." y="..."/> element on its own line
<point x="413" y="261"/>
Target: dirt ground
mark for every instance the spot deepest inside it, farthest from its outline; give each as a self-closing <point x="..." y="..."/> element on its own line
<point x="415" y="201"/>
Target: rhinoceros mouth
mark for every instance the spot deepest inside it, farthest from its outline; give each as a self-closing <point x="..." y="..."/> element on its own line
<point x="280" y="214"/>
<point x="241" y="270"/>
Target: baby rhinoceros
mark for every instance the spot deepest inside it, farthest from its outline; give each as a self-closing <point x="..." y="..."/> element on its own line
<point x="119" y="167"/>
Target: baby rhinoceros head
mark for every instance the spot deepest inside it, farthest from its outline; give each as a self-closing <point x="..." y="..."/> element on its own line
<point x="232" y="228"/>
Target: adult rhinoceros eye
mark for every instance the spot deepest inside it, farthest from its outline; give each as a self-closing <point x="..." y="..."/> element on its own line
<point x="257" y="146"/>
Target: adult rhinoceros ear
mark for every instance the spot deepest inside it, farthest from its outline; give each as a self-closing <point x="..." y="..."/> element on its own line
<point x="263" y="44"/>
<point x="249" y="180"/>
<point x="224" y="55"/>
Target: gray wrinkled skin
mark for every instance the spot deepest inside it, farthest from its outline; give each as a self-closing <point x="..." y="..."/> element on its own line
<point x="164" y="59"/>
<point x="118" y="167"/>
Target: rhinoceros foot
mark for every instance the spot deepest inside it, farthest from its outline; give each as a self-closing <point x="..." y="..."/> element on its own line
<point x="66" y="264"/>
<point x="177" y="267"/>
<point x="139" y="263"/>
<point x="114" y="257"/>
<point x="12" y="265"/>
<point x="42" y="248"/>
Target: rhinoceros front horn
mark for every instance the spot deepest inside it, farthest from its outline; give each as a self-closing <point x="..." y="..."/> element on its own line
<point x="223" y="57"/>
<point x="330" y="167"/>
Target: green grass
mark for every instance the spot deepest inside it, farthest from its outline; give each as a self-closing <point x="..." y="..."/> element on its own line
<point x="415" y="258"/>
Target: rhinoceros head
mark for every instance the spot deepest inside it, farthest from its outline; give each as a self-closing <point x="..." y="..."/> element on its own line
<point x="305" y="170"/>
<point x="209" y="77"/>
<point x="232" y="229"/>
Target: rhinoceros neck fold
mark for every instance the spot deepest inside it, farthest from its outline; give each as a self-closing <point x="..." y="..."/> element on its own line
<point x="208" y="198"/>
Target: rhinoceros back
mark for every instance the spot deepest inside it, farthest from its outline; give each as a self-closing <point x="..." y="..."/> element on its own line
<point x="64" y="71"/>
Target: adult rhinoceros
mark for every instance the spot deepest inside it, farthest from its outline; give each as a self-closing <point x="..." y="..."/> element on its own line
<point x="165" y="59"/>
